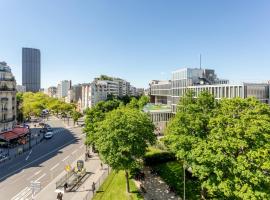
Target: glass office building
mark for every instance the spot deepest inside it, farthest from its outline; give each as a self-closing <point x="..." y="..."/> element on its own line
<point x="31" y="69"/>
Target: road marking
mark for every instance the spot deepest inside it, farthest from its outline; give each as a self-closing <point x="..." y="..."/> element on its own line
<point x="74" y="151"/>
<point x="29" y="178"/>
<point x="37" y="172"/>
<point x="65" y="158"/>
<point x="54" y="167"/>
<point x="21" y="193"/>
<point x="2" y="178"/>
<point x="40" y="177"/>
<point x="28" y="155"/>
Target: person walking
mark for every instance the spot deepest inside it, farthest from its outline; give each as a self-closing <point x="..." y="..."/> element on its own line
<point x="93" y="187"/>
<point x="101" y="165"/>
<point x="59" y="196"/>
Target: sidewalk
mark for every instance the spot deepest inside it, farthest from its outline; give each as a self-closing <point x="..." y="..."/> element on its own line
<point x="92" y="167"/>
<point x="155" y="187"/>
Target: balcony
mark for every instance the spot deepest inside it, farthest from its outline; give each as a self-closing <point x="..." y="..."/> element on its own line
<point x="4" y="99"/>
<point x="5" y="88"/>
<point x="7" y="79"/>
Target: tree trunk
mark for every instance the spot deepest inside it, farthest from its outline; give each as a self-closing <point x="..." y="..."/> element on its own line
<point x="203" y="193"/>
<point x="127" y="181"/>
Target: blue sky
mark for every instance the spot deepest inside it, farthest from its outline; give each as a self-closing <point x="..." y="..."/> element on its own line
<point x="138" y="40"/>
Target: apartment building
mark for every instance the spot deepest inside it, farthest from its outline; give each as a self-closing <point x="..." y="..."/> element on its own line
<point x="7" y="98"/>
<point x="62" y="88"/>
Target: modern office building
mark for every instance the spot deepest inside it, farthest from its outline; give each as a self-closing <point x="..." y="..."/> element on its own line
<point x="160" y="92"/>
<point x="7" y="98"/>
<point x="62" y="88"/>
<point x="168" y="93"/>
<point x="31" y="69"/>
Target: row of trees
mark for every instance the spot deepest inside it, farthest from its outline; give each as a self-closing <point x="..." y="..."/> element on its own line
<point x="120" y="132"/>
<point x="225" y="144"/>
<point x="32" y="104"/>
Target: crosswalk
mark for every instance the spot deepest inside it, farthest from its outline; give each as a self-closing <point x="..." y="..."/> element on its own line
<point x="59" y="130"/>
<point x="25" y="194"/>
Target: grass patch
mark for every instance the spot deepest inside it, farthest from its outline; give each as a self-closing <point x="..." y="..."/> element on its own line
<point x="172" y="173"/>
<point x="114" y="188"/>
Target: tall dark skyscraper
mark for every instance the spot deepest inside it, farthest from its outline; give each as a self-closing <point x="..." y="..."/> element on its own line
<point x="31" y="69"/>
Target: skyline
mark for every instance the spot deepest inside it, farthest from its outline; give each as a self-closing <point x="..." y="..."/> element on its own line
<point x="137" y="41"/>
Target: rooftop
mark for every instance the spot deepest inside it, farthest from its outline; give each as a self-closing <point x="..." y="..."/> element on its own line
<point x="157" y="108"/>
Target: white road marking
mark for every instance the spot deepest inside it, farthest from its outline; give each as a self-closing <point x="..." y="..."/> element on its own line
<point x="37" y="159"/>
<point x="28" y="155"/>
<point x="65" y="158"/>
<point x="29" y="178"/>
<point x="40" y="177"/>
<point x="21" y="193"/>
<point x="73" y="152"/>
<point x="54" y="167"/>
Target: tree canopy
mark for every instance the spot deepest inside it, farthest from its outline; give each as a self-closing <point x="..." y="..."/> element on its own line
<point x="225" y="143"/>
<point x="122" y="138"/>
<point x="32" y="104"/>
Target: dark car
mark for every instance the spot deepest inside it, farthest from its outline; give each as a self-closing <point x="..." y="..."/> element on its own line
<point x="44" y="130"/>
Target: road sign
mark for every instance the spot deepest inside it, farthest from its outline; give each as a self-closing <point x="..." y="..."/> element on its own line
<point x="35" y="186"/>
<point x="67" y="168"/>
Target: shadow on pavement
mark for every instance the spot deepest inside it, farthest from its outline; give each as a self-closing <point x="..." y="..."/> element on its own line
<point x="40" y="153"/>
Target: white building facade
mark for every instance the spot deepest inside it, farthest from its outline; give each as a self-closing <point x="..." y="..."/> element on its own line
<point x="62" y="88"/>
<point x="7" y="98"/>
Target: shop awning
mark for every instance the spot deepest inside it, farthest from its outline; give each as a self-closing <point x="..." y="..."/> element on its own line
<point x="14" y="133"/>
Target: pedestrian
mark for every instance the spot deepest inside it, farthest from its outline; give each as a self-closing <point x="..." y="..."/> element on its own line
<point x="65" y="187"/>
<point x="59" y="196"/>
<point x="101" y="165"/>
<point x="93" y="187"/>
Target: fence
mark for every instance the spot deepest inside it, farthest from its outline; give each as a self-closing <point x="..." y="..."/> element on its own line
<point x="19" y="150"/>
<point x="98" y="183"/>
<point x="62" y="180"/>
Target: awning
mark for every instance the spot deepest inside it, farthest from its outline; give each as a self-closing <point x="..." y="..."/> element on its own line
<point x="15" y="133"/>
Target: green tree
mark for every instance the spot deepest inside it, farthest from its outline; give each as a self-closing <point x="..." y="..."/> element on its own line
<point x="76" y="116"/>
<point x="234" y="161"/>
<point x="190" y="126"/>
<point x="122" y="138"/>
<point x="143" y="101"/>
<point x="95" y="115"/>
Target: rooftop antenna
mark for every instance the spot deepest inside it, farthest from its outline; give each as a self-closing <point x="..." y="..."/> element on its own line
<point x="200" y="61"/>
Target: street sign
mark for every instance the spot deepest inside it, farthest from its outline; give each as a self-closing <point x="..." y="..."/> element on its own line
<point x="35" y="186"/>
<point x="67" y="168"/>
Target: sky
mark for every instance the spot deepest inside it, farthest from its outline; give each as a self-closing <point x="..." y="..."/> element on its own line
<point x="137" y="40"/>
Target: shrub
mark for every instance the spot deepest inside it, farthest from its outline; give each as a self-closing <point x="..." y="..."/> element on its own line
<point x="158" y="158"/>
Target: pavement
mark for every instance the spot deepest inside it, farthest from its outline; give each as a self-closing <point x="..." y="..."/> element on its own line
<point x="42" y="163"/>
<point x="94" y="173"/>
<point x="155" y="187"/>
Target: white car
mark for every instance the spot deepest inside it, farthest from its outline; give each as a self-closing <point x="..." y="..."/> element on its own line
<point x="48" y="135"/>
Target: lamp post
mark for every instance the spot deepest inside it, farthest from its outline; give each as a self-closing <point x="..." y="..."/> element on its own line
<point x="184" y="177"/>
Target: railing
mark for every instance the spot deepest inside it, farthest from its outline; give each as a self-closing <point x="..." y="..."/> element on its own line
<point x="98" y="183"/>
<point x="7" y="79"/>
<point x="62" y="181"/>
<point x="7" y="89"/>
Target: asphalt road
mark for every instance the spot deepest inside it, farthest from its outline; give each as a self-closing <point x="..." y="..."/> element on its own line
<point x="44" y="162"/>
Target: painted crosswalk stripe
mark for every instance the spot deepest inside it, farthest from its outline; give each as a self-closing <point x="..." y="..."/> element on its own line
<point x="21" y="194"/>
<point x="54" y="167"/>
<point x="40" y="177"/>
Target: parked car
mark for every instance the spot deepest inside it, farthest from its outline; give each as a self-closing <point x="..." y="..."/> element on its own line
<point x="44" y="130"/>
<point x="49" y="129"/>
<point x="48" y="135"/>
<point x="3" y="157"/>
